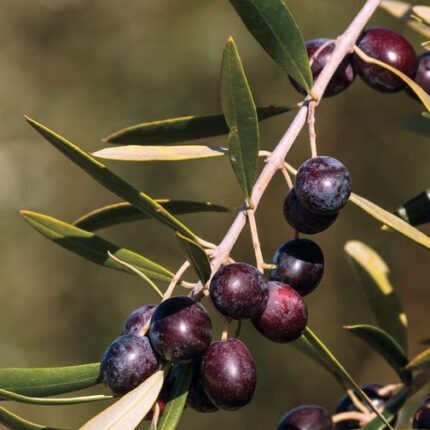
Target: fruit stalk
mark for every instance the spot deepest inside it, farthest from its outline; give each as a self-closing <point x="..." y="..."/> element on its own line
<point x="344" y="45"/>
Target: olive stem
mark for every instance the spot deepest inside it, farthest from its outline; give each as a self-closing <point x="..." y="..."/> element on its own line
<point x="362" y="418"/>
<point x="287" y="177"/>
<point x="224" y="335"/>
<point x="345" y="43"/>
<point x="155" y="417"/>
<point x="176" y="278"/>
<point x="356" y="402"/>
<point x="311" y="126"/>
<point x="389" y="389"/>
<point x="255" y="240"/>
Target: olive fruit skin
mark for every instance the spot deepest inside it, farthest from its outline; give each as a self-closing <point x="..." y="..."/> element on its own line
<point x="228" y="374"/>
<point x="342" y="78"/>
<point x="300" y="264"/>
<point x="239" y="291"/>
<point x="306" y="417"/>
<point x="127" y="362"/>
<point x="346" y="405"/>
<point x="197" y="398"/>
<point x="391" y="48"/>
<point x="422" y="77"/>
<point x="180" y="329"/>
<point x="137" y="320"/>
<point x="302" y="219"/>
<point x="285" y="317"/>
<point x="323" y="185"/>
<point x="421" y="418"/>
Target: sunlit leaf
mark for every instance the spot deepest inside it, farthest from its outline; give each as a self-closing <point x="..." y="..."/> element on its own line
<point x="131" y="409"/>
<point x="93" y="247"/>
<point x="391" y="220"/>
<point x="49" y="381"/>
<point x="175" y="406"/>
<point x="274" y="27"/>
<point x="197" y="257"/>
<point x="419" y="27"/>
<point x="180" y="129"/>
<point x="384" y="344"/>
<point x="49" y="401"/>
<point x="14" y="422"/>
<point x="422" y="94"/>
<point x="399" y="9"/>
<point x="322" y="349"/>
<point x="421" y="361"/>
<point x="422" y="12"/>
<point x="239" y="111"/>
<point x="372" y="273"/>
<point x="139" y="153"/>
<point x="119" y="213"/>
<point x="109" y="180"/>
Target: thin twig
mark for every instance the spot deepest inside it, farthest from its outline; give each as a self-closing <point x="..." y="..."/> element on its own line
<point x="133" y="269"/>
<point x="227" y="322"/>
<point x="255" y="240"/>
<point x="356" y="402"/>
<point x="155" y="417"/>
<point x="287" y="177"/>
<point x="389" y="389"/>
<point x="175" y="280"/>
<point x="362" y="418"/>
<point x="344" y="46"/>
<point x="311" y="126"/>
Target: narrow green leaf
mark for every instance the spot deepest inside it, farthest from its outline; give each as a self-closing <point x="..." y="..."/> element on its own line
<point x="174" y="130"/>
<point x="197" y="257"/>
<point x="391" y="220"/>
<point x="384" y="344"/>
<point x="49" y="381"/>
<point x="131" y="409"/>
<point x="324" y="351"/>
<point x="109" y="180"/>
<point x="372" y="274"/>
<point x="124" y="212"/>
<point x="304" y="346"/>
<point x="422" y="94"/>
<point x="274" y="27"/>
<point x="139" y="153"/>
<point x="175" y="406"/>
<point x="93" y="247"/>
<point x="241" y="117"/>
<point x="47" y="401"/>
<point x="14" y="422"/>
<point x="392" y="407"/>
<point x="421" y="361"/>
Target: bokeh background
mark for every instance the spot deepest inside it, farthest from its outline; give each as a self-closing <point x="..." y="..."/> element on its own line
<point x="86" y="68"/>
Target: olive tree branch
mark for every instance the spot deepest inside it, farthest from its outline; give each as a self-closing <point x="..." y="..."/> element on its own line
<point x="344" y="45"/>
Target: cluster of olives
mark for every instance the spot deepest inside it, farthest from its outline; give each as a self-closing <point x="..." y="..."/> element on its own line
<point x="381" y="44"/>
<point x="312" y="417"/>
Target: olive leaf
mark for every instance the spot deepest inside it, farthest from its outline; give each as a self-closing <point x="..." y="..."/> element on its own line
<point x="324" y="351"/>
<point x="123" y="212"/>
<point x="385" y="345"/>
<point x="93" y="247"/>
<point x="46" y="401"/>
<point x="398" y="9"/>
<point x="274" y="27"/>
<point x="422" y="12"/>
<point x="373" y="276"/>
<point x="138" y="153"/>
<point x="49" y="381"/>
<point x="391" y="220"/>
<point x="131" y="409"/>
<point x="14" y="422"/>
<point x="422" y="95"/>
<point x="109" y="180"/>
<point x="416" y="211"/>
<point x="197" y="257"/>
<point x="178" y="398"/>
<point x="421" y="361"/>
<point x="241" y="117"/>
<point x="180" y="129"/>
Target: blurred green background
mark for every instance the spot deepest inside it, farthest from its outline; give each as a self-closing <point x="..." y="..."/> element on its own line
<point x="86" y="68"/>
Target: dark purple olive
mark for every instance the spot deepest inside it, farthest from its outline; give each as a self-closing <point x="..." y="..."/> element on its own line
<point x="137" y="320"/>
<point x="421" y="418"/>
<point x="239" y="291"/>
<point x="127" y="362"/>
<point x="307" y="417"/>
<point x="228" y="374"/>
<point x="180" y="329"/>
